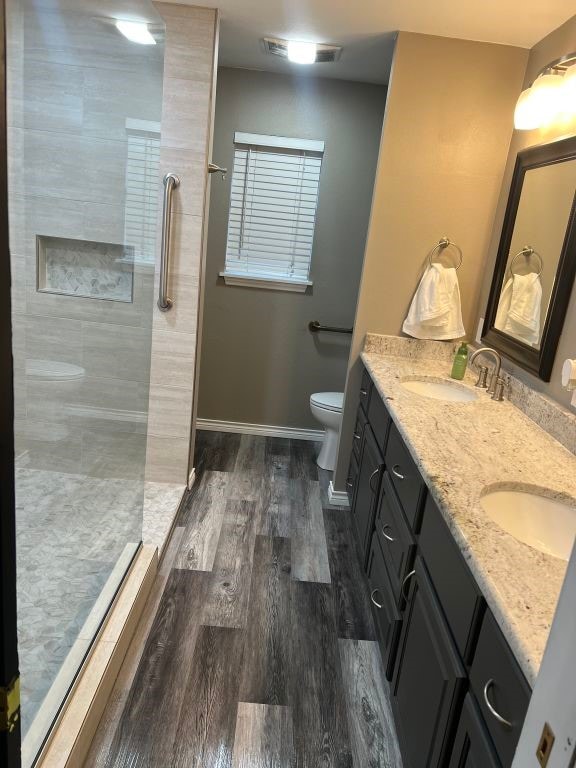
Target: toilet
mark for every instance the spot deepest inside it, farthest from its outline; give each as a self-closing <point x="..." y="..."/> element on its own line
<point x="326" y="408"/>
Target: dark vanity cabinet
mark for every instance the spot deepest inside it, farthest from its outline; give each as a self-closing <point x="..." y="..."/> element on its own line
<point x="458" y="695"/>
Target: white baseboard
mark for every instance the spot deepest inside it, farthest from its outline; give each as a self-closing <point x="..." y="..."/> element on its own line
<point x="337" y="498"/>
<point x="266" y="430"/>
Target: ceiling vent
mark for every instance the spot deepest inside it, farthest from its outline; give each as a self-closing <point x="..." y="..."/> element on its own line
<point x="324" y="53"/>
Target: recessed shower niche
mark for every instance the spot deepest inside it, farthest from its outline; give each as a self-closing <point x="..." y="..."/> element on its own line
<point x="84" y="268"/>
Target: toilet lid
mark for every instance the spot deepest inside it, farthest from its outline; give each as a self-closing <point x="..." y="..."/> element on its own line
<point x="52" y="370"/>
<point x="331" y="401"/>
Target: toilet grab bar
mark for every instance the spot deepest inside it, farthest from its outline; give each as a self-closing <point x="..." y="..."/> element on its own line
<point x="171" y="181"/>
<point x="314" y="326"/>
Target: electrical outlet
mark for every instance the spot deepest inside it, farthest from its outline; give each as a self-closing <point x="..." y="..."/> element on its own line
<point x="545" y="745"/>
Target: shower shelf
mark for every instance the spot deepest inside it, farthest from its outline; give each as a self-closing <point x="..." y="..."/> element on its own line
<point x="84" y="268"/>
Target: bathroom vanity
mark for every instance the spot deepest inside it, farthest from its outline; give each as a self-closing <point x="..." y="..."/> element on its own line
<point x="463" y="609"/>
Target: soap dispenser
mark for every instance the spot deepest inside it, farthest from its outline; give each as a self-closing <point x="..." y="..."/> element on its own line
<point x="460" y="362"/>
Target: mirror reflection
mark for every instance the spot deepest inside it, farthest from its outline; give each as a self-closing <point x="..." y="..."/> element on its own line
<point x="539" y="230"/>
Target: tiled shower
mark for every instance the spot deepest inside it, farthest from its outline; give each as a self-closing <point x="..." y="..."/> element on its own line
<point x="85" y="131"/>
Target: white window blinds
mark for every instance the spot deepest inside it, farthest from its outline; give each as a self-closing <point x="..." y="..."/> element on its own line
<point x="273" y="204"/>
<point x="142" y="184"/>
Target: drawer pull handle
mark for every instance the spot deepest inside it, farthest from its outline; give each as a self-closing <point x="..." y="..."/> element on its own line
<point x="349" y="484"/>
<point x="363" y="392"/>
<point x="405" y="582"/>
<point x="396" y="473"/>
<point x="373" y="598"/>
<point x="370" y="479"/>
<point x="498" y="716"/>
<point x="386" y="535"/>
<point x="356" y="436"/>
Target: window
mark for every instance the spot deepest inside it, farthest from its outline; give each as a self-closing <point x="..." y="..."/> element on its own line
<point x="272" y="215"/>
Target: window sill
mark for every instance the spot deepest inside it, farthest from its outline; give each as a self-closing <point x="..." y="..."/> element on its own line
<point x="271" y="283"/>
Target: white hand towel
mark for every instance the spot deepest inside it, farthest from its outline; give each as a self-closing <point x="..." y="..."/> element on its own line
<point x="435" y="311"/>
<point x="526" y="302"/>
<point x="519" y="308"/>
<point x="504" y="306"/>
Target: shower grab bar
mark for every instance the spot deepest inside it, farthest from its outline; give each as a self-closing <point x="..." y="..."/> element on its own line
<point x="171" y="181"/>
<point x="314" y="326"/>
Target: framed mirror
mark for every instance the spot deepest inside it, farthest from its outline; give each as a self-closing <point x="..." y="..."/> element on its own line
<point x="536" y="262"/>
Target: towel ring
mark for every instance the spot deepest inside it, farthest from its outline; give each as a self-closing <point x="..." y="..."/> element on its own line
<point x="527" y="251"/>
<point x="444" y="243"/>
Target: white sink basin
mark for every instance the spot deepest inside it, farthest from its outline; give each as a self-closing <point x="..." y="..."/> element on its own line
<point x="440" y="390"/>
<point x="544" y="523"/>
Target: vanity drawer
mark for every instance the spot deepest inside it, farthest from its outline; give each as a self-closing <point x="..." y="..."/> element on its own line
<point x="386" y="615"/>
<point x="352" y="478"/>
<point x="405" y="477"/>
<point x="358" y="432"/>
<point x="498" y="684"/>
<point x="379" y="419"/>
<point x="365" y="389"/>
<point x="459" y="596"/>
<point x="395" y="538"/>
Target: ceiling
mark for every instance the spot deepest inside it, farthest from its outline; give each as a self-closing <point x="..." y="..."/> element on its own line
<point x="366" y="28"/>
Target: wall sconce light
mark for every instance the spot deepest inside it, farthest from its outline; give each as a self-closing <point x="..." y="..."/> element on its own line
<point x="551" y="95"/>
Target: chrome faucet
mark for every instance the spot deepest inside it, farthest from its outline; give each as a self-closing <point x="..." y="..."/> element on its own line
<point x="496" y="385"/>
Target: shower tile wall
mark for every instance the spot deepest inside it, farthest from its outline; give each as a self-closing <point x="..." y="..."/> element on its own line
<point x="72" y="93"/>
<point x="189" y="66"/>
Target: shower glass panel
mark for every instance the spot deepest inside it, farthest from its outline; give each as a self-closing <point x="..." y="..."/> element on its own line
<point x="84" y="135"/>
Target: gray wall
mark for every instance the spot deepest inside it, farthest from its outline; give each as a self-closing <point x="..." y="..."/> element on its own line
<point x="259" y="362"/>
<point x="551" y="47"/>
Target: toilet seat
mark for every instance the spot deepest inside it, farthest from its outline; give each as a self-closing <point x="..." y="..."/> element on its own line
<point x="52" y="370"/>
<point x="329" y="401"/>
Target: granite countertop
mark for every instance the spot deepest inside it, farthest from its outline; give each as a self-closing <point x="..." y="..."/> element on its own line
<point x="460" y="449"/>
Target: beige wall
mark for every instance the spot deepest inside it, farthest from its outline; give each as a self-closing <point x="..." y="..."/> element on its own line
<point x="556" y="44"/>
<point x="446" y="134"/>
<point x="260" y="363"/>
<point x="189" y="69"/>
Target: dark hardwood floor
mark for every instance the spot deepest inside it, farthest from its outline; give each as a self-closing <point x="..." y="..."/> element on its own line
<point x="257" y="647"/>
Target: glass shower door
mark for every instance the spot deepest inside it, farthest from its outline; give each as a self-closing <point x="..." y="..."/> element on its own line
<point x="84" y="100"/>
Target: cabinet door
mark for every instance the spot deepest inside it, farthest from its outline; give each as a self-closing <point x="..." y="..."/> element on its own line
<point x="429" y="679"/>
<point x="472" y="746"/>
<point x="386" y="616"/>
<point x="367" y="488"/>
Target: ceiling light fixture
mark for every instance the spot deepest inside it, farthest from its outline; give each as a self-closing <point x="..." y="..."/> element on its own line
<point x="551" y="95"/>
<point x="136" y="32"/>
<point x="301" y="52"/>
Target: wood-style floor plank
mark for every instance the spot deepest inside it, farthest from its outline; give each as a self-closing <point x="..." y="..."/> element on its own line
<point x="267" y="651"/>
<point x="318" y="705"/>
<point x="351" y="594"/>
<point x="227" y="599"/>
<point x="147" y="729"/>
<point x="100" y="747"/>
<point x="215" y="451"/>
<point x="204" y="521"/>
<point x="372" y="731"/>
<point x="309" y="553"/>
<point x="263" y="737"/>
<point x="303" y="460"/>
<point x="246" y="480"/>
<point x="205" y="733"/>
